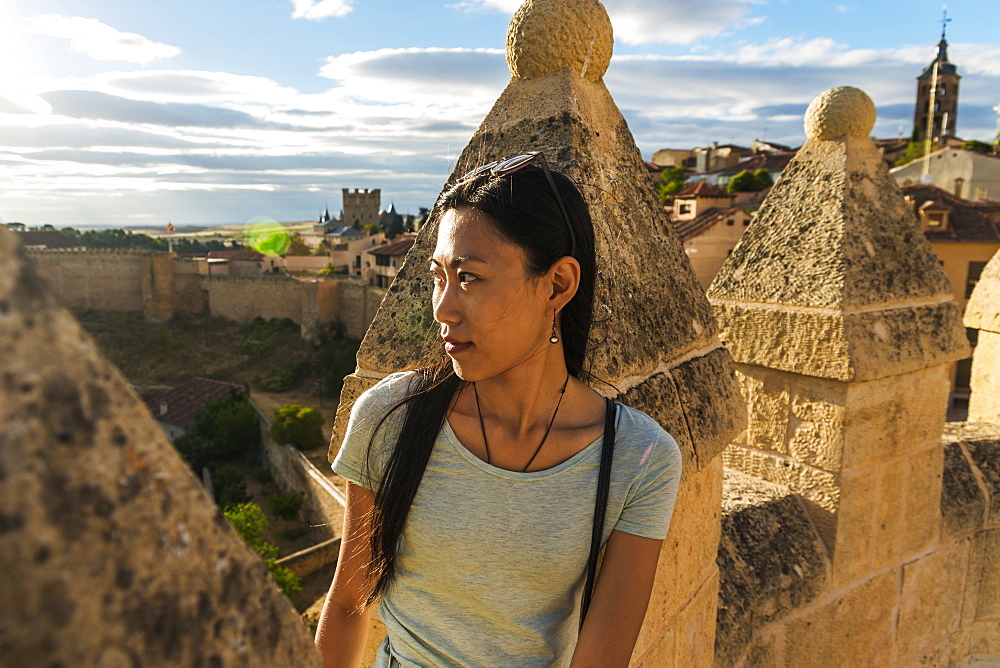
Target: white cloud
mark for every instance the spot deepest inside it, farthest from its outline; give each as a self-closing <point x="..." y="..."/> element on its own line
<point x="642" y="22"/>
<point x="99" y="40"/>
<point x="315" y="10"/>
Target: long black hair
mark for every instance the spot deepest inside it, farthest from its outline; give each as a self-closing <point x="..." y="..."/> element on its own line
<point x="523" y="210"/>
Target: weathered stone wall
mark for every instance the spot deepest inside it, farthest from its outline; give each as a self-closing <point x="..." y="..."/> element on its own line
<point x="358" y="305"/>
<point x="243" y="299"/>
<point x="94" y="279"/>
<point x="843" y="326"/>
<point x="111" y="551"/>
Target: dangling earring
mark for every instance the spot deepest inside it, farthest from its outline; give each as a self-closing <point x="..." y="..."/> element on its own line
<point x="554" y="338"/>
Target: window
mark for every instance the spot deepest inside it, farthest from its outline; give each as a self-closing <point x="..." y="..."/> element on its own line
<point x="935" y="220"/>
<point x="730" y="222"/>
<point x="975" y="270"/>
<point x="746" y="221"/>
<point x="684" y="209"/>
<point x="381" y="260"/>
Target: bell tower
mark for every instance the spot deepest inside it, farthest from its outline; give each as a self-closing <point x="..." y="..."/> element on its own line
<point x="937" y="94"/>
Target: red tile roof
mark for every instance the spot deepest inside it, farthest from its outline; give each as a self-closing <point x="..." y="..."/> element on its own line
<point x="688" y="229"/>
<point x="967" y="221"/>
<point x="399" y="246"/>
<point x="703" y="189"/>
<point x="182" y="402"/>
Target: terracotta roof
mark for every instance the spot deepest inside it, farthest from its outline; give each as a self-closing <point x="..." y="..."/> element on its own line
<point x="183" y="401"/>
<point x="934" y="205"/>
<point x="236" y="255"/>
<point x="46" y="239"/>
<point x="688" y="229"/>
<point x="967" y="221"/>
<point x="401" y="245"/>
<point x="703" y="189"/>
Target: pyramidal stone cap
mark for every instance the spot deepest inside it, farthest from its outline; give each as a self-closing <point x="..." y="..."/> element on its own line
<point x="833" y="278"/>
<point x="840" y="111"/>
<point x="546" y="36"/>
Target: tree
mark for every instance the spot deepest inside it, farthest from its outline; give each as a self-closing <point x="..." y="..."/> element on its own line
<point x="300" y="426"/>
<point x="371" y="228"/>
<point x="672" y="180"/>
<point x="17" y="227"/>
<point x="914" y="151"/>
<point x="249" y="521"/>
<point x="297" y="246"/>
<point x="977" y="146"/>
<point x="747" y="181"/>
<point x="395" y="228"/>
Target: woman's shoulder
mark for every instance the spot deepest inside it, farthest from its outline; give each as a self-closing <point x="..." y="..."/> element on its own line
<point x="385" y="392"/>
<point x="639" y="434"/>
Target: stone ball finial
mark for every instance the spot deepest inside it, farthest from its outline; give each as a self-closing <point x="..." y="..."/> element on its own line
<point x="840" y="111"/>
<point x="546" y="36"/>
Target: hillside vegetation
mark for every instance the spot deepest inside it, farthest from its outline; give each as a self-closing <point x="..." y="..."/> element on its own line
<point x="268" y="355"/>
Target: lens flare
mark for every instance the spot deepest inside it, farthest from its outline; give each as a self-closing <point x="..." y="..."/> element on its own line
<point x="266" y="235"/>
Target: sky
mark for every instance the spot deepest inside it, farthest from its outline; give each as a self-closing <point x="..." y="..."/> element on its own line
<point x="118" y="113"/>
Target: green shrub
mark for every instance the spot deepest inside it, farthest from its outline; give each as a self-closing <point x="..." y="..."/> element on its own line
<point x="230" y="485"/>
<point x="222" y="430"/>
<point x="259" y="335"/>
<point x="250" y="522"/>
<point x="300" y="426"/>
<point x="288" y="379"/>
<point x="262" y="475"/>
<point x="286" y="505"/>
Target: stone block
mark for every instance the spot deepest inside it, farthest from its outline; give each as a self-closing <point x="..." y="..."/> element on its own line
<point x="771" y="561"/>
<point x="767" y="395"/>
<point x="855" y="525"/>
<point x="922" y="505"/>
<point x="887" y="513"/>
<point x="984" y="451"/>
<point x="763" y="653"/>
<point x="984" y="572"/>
<point x="893" y="415"/>
<point x="690" y="548"/>
<point x="985" y="643"/>
<point x="856" y="629"/>
<point x="695" y="636"/>
<point x="816" y="429"/>
<point x="931" y="602"/>
<point x="963" y="505"/>
<point x="713" y="407"/>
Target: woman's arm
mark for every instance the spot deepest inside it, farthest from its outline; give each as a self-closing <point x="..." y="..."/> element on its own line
<point x="343" y="624"/>
<point x="618" y="606"/>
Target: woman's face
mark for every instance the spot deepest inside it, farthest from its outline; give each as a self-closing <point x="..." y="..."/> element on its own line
<point x="493" y="316"/>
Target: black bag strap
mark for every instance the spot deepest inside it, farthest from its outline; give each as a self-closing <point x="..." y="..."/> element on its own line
<point x="601" y="506"/>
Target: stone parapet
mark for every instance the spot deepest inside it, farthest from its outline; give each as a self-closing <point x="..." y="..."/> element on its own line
<point x="112" y="552"/>
<point x="843" y="326"/>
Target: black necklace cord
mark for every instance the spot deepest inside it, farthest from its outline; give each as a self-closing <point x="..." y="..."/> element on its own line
<point x="482" y="425"/>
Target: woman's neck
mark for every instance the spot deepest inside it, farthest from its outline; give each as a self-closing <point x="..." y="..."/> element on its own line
<point x="522" y="399"/>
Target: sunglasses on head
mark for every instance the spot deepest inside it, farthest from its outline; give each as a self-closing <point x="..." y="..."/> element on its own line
<point x="511" y="165"/>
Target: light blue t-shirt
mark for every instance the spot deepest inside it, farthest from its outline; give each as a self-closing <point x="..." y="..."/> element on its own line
<point x="491" y="563"/>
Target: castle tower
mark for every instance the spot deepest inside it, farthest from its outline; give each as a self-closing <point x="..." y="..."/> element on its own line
<point x="361" y="206"/>
<point x="942" y="94"/>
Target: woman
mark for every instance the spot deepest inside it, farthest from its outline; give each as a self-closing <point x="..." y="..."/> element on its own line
<point x="472" y="482"/>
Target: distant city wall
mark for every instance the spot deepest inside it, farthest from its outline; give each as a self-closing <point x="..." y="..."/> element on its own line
<point x="103" y="280"/>
<point x="161" y="286"/>
<point x="243" y="299"/>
